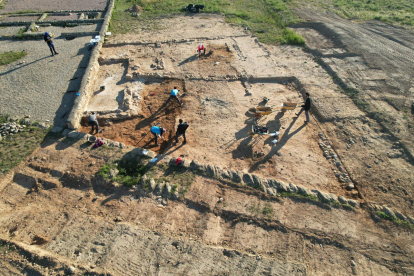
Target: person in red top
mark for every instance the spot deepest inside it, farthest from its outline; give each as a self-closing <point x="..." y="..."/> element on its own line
<point x="201" y="48"/>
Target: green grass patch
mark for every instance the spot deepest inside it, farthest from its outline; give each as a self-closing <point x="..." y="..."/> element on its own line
<point x="267" y="19"/>
<point x="268" y="210"/>
<point x="129" y="171"/>
<point x="9" y="57"/>
<point x="403" y="223"/>
<point x="180" y="178"/>
<point x="16" y="148"/>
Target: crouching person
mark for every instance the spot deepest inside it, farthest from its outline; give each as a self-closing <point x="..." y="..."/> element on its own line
<point x="157" y="131"/>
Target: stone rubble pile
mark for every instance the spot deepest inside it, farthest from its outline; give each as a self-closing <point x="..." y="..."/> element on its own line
<point x="10" y="128"/>
<point x="338" y="168"/>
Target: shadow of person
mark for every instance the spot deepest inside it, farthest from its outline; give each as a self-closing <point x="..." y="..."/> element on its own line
<point x="187" y="60"/>
<point x="281" y="142"/>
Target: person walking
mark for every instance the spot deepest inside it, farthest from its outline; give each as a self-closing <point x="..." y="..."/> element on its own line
<point x="93" y="121"/>
<point x="306" y="107"/>
<point x="182" y="127"/>
<point x="174" y="95"/>
<point x="157" y="131"/>
<point x="48" y="40"/>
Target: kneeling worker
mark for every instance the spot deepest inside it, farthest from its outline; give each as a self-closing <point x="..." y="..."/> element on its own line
<point x="182" y="127"/>
<point x="201" y="48"/>
<point x="174" y="95"/>
<point x="157" y="131"/>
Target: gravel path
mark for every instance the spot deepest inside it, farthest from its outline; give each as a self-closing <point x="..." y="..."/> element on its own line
<point x="39" y="86"/>
<point x="73" y="16"/>
<point x="53" y="5"/>
<point x="18" y="18"/>
<point x="56" y="30"/>
<point x="10" y="30"/>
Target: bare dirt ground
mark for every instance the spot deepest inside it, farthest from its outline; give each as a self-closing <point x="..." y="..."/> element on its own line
<point x="99" y="227"/>
<point x="13" y="6"/>
<point x="376" y="59"/>
<point x="58" y="205"/>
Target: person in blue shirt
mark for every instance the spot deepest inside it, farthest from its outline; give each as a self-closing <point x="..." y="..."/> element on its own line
<point x="174" y="95"/>
<point x="156" y="130"/>
<point x="48" y="39"/>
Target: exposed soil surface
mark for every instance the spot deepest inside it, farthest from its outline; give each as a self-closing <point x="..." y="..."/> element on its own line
<point x="136" y="132"/>
<point x="57" y="205"/>
<point x="96" y="226"/>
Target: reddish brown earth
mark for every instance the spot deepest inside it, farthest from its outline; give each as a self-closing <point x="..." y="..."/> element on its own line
<point x="136" y="132"/>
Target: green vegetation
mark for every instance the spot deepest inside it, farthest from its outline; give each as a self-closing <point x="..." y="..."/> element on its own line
<point x="179" y="177"/>
<point x="267" y="19"/>
<point x="397" y="221"/>
<point x="16" y="148"/>
<point x="268" y="210"/>
<point x="129" y="171"/>
<point x="9" y="57"/>
<point x="257" y="210"/>
<point x="6" y="247"/>
<point x="390" y="11"/>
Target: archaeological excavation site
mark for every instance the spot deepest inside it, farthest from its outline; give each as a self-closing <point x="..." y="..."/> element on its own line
<point x="254" y="187"/>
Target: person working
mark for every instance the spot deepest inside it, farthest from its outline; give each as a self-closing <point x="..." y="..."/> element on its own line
<point x="93" y="121"/>
<point x="306" y="107"/>
<point x="201" y="48"/>
<point x="157" y="131"/>
<point x="48" y="39"/>
<point x="174" y="95"/>
<point x="182" y="127"/>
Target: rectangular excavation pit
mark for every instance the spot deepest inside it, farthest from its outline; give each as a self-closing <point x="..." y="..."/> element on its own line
<point x="132" y="125"/>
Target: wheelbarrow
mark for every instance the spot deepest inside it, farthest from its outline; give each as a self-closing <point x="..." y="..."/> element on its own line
<point x="289" y="106"/>
<point x="259" y="111"/>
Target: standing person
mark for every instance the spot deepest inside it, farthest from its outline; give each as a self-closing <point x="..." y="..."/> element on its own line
<point x="93" y="121"/>
<point x="157" y="131"/>
<point x="182" y="127"/>
<point x="174" y="95"/>
<point x="201" y="48"/>
<point x="306" y="107"/>
<point x="48" y="40"/>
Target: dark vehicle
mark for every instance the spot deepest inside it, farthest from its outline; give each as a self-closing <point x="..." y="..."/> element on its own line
<point x="193" y="8"/>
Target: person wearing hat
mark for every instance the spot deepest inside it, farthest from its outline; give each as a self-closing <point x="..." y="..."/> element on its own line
<point x="157" y="131"/>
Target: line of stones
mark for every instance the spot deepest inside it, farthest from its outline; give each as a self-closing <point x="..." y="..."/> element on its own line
<point x="157" y="44"/>
<point x="267" y="185"/>
<point x="331" y="156"/>
<point x="85" y="90"/>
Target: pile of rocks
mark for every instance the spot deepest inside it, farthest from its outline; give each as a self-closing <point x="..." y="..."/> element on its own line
<point x="338" y="169"/>
<point x="10" y="129"/>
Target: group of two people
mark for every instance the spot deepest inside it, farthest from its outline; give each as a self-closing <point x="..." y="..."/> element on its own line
<point x="159" y="131"/>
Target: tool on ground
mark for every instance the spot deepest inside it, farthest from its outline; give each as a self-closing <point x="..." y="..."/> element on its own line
<point x="259" y="111"/>
<point x="289" y="106"/>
